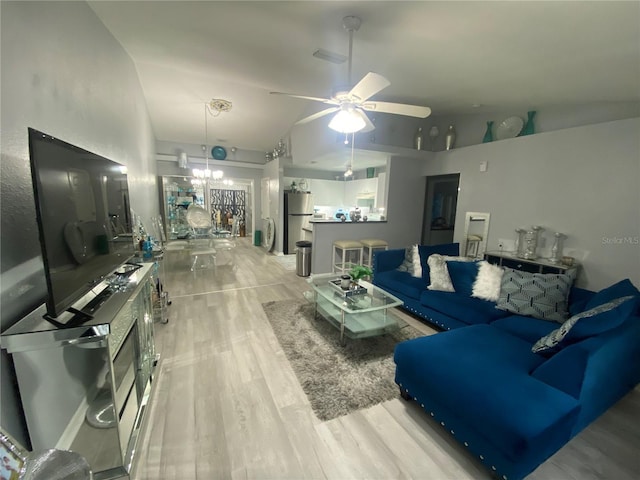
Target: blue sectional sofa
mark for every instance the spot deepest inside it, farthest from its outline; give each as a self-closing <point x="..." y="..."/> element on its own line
<point x="481" y="381"/>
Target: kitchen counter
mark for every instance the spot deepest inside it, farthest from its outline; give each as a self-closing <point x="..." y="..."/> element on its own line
<point x="329" y="220"/>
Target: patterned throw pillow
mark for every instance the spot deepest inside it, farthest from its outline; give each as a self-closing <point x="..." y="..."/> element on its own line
<point x="539" y="295"/>
<point x="411" y="262"/>
<point x="599" y="322"/>
<point x="440" y="279"/>
<point x="488" y="281"/>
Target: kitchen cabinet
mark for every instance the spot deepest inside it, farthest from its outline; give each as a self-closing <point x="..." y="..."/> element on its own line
<point x="355" y="189"/>
<point x="327" y="192"/>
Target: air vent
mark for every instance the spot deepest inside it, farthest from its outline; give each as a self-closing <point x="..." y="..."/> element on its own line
<point x="329" y="56"/>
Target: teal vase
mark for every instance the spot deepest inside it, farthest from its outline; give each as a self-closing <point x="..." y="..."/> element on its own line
<point x="488" y="136"/>
<point x="529" y="128"/>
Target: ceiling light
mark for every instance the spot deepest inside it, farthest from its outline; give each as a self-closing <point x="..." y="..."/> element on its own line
<point x="329" y="56"/>
<point x="347" y="120"/>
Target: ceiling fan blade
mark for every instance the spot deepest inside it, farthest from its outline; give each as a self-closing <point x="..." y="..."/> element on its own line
<point x="315" y="99"/>
<point x="370" y="84"/>
<point x="397" y="108"/>
<point x="369" y="126"/>
<point x="316" y="115"/>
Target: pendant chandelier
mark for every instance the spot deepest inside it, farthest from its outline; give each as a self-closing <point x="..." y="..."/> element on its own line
<point x="214" y="107"/>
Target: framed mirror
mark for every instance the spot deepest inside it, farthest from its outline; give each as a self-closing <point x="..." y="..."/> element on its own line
<point x="476" y="232"/>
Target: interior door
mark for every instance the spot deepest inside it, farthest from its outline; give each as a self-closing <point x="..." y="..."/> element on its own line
<point x="440" y="204"/>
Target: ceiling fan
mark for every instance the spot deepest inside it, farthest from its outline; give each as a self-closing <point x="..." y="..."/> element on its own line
<point x="351" y="105"/>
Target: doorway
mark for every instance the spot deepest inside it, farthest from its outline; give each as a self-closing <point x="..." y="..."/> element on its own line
<point x="440" y="204"/>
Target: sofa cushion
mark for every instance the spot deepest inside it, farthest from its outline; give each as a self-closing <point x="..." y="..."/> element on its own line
<point x="482" y="374"/>
<point x="425" y="251"/>
<point x="538" y="295"/>
<point x="463" y="275"/>
<point x="527" y="328"/>
<point x="588" y="323"/>
<point x="487" y="283"/>
<point x="402" y="282"/>
<point x="621" y="289"/>
<point x="565" y="371"/>
<point x="438" y="273"/>
<point x="467" y="309"/>
<point x="411" y="262"/>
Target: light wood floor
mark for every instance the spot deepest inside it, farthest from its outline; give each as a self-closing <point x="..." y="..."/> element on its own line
<point x="227" y="405"/>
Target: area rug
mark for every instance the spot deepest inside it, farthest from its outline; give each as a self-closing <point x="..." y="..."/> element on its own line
<point x="337" y="379"/>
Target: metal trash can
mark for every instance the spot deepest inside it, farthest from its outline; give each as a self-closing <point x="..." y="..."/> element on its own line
<point x="303" y="258"/>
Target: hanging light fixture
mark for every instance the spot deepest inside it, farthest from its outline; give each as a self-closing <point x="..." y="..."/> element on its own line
<point x="349" y="171"/>
<point x="347" y="120"/>
<point x="218" y="106"/>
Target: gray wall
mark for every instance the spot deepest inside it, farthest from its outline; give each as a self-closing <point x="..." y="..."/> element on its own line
<point x="64" y="74"/>
<point x="580" y="181"/>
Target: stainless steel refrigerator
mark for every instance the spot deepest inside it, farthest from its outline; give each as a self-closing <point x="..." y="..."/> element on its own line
<point x="298" y="211"/>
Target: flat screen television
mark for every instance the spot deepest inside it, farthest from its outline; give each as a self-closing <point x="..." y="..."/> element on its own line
<point x="83" y="215"/>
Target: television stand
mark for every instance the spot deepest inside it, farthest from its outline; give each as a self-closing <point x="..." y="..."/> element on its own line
<point x="65" y="374"/>
<point x="83" y="315"/>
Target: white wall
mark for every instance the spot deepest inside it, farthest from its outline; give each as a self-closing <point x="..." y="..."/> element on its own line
<point x="64" y="74"/>
<point x="273" y="171"/>
<point x="580" y="181"/>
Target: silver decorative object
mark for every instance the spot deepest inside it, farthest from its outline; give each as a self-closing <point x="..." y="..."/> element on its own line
<point x="450" y="138"/>
<point x="556" y="249"/>
<point x="418" y="139"/>
<point x="531" y="242"/>
<point x="519" y="247"/>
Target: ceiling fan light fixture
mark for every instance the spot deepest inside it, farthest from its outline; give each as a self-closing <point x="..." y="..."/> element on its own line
<point x="347" y="120"/>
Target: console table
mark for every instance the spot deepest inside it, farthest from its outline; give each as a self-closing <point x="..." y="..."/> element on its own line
<point x="539" y="265"/>
<point x="84" y="388"/>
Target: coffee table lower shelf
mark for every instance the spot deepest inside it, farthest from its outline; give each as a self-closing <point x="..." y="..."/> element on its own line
<point x="357" y="325"/>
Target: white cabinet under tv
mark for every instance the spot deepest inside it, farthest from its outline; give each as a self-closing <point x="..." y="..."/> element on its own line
<point x="84" y="388"/>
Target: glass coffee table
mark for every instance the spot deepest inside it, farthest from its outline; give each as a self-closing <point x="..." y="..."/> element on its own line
<point x="356" y="316"/>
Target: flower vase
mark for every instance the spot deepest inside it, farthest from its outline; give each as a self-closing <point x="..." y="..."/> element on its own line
<point x="450" y="138"/>
<point x="488" y="136"/>
<point x="529" y="128"/>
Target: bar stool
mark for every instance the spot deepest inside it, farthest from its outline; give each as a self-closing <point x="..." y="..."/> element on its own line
<point x="370" y="245"/>
<point x="344" y="252"/>
<point x="473" y="243"/>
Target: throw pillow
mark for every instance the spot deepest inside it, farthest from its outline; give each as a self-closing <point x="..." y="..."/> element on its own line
<point x="591" y="322"/>
<point x="463" y="275"/>
<point x="617" y="290"/>
<point x="440" y="279"/>
<point x="425" y="251"/>
<point x="539" y="295"/>
<point x="488" y="280"/>
<point x="411" y="262"/>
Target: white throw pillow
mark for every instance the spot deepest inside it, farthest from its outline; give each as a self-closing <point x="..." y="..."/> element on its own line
<point x="487" y="284"/>
<point x="440" y="279"/>
<point x="411" y="262"/>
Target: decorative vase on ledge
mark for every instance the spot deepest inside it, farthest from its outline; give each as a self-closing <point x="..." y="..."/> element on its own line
<point x="450" y="138"/>
<point x="529" y="128"/>
<point x="418" y="139"/>
<point x="488" y="136"/>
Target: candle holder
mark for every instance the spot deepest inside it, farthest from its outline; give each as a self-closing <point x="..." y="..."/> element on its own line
<point x="531" y="238"/>
<point x="556" y="249"/>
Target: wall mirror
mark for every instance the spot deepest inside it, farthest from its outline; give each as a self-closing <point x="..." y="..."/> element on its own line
<point x="476" y="232"/>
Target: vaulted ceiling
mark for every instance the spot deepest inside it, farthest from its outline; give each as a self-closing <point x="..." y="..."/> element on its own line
<point x="446" y="55"/>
